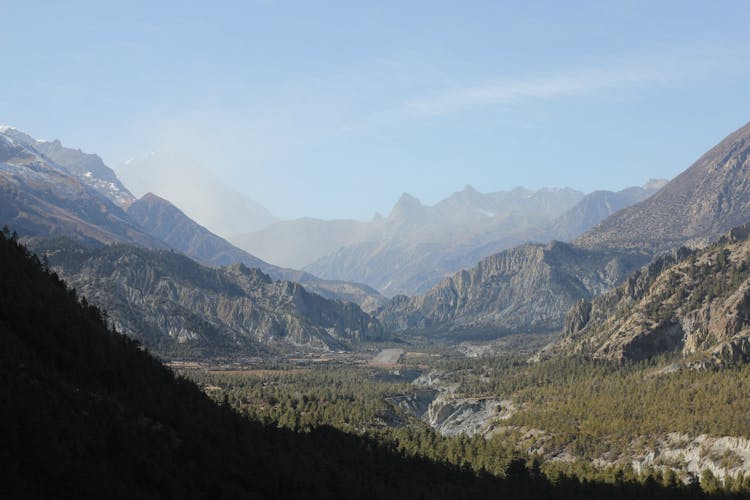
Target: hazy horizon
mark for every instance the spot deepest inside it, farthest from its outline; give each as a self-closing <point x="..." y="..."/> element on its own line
<point x="332" y="110"/>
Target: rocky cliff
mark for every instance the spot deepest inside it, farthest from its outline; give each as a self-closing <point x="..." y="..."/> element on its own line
<point x="692" y="302"/>
<point x="527" y="288"/>
<point x="175" y="305"/>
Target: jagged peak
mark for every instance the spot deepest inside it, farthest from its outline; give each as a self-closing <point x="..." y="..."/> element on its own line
<point x="405" y="206"/>
<point x="408" y="199"/>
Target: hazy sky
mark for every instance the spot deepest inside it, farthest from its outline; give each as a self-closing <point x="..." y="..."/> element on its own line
<point x="332" y="109"/>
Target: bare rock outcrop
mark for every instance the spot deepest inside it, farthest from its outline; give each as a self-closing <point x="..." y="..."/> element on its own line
<point x="690" y="301"/>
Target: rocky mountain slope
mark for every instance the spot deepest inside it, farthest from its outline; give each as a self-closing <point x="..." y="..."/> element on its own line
<point x="87" y="168"/>
<point x="176" y="306"/>
<point x="39" y="197"/>
<point x="527" y="288"/>
<point x="699" y="205"/>
<point x="690" y="301"/>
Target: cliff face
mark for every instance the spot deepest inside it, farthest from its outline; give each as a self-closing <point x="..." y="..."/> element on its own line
<point x="527" y="288"/>
<point x="693" y="302"/>
<point x="175" y="305"/>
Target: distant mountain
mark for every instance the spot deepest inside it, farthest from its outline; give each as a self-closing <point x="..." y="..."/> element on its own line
<point x="162" y="220"/>
<point x="191" y="186"/>
<point x="592" y="209"/>
<point x="527" y="288"/>
<point x="689" y="301"/>
<point x="178" y="307"/>
<point x="417" y="252"/>
<point x="39" y="197"/>
<point x="595" y="207"/>
<point x="417" y="245"/>
<point x="699" y="205"/>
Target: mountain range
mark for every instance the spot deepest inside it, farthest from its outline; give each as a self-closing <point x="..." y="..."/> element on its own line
<point x="122" y="252"/>
<point x="416" y="245"/>
<point x="530" y="288"/>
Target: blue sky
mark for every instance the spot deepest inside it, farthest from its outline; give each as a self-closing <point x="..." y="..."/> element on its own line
<point x="332" y="109"/>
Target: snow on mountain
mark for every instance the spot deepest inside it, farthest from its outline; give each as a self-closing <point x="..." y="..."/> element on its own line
<point x="88" y="168"/>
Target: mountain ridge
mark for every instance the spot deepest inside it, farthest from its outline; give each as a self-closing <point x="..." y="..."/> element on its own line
<point x="397" y="267"/>
<point x="700" y="204"/>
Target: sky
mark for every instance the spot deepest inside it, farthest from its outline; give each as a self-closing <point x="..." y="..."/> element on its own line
<point x="332" y="109"/>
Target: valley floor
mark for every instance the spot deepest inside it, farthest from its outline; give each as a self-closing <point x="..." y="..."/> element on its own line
<point x="592" y="419"/>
